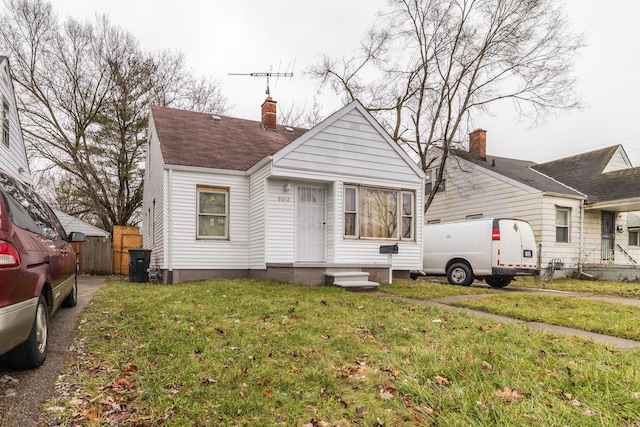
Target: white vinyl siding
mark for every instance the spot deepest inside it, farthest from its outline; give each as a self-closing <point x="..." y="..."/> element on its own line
<point x="258" y="209"/>
<point x="13" y="157"/>
<point x="617" y="162"/>
<point x="281" y="222"/>
<point x="350" y="147"/>
<point x="188" y="252"/>
<point x="154" y="196"/>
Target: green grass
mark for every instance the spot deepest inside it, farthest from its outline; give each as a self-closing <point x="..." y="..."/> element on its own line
<point x="423" y="289"/>
<point x="256" y="353"/>
<point x="596" y="316"/>
<point x="596" y="287"/>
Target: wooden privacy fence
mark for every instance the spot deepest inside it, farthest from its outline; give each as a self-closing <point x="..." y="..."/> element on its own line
<point x="124" y="238"/>
<point x="95" y="255"/>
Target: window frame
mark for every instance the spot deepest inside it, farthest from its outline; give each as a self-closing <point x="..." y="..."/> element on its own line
<point x="200" y="189"/>
<point x="4" y="118"/>
<point x="566" y="226"/>
<point x="429" y="178"/>
<point x="635" y="233"/>
<point x="356" y="212"/>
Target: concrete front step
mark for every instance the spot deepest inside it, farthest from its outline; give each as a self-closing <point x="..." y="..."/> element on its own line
<point x="351" y="280"/>
<point x="357" y="285"/>
<point x="348" y="275"/>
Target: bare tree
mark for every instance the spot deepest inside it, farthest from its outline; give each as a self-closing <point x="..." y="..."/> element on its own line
<point x="435" y="63"/>
<point x="84" y="91"/>
<point x="301" y="116"/>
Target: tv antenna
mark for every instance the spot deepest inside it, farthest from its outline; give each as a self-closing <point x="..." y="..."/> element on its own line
<point x="268" y="74"/>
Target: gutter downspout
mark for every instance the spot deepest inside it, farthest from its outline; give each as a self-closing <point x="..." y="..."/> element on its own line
<point x="170" y="226"/>
<point x="580" y="246"/>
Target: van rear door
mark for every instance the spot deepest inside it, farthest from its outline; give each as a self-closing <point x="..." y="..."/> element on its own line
<point x="514" y="244"/>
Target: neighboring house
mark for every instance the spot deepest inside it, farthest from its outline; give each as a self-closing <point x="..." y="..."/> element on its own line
<point x="580" y="207"/>
<point x="228" y="197"/>
<point x="13" y="156"/>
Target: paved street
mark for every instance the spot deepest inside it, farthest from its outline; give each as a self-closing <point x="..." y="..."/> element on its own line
<point x="22" y="392"/>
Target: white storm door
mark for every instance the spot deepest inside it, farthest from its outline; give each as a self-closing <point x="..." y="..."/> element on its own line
<point x="310" y="224"/>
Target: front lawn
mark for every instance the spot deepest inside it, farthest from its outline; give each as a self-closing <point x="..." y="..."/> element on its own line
<point x="596" y="316"/>
<point x="256" y="353"/>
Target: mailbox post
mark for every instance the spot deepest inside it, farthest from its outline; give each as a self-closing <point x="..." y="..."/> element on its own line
<point x="389" y="250"/>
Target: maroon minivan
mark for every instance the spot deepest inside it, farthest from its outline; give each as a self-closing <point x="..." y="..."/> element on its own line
<point x="38" y="272"/>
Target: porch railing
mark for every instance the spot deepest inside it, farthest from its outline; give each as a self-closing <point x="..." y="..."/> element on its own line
<point x="629" y="257"/>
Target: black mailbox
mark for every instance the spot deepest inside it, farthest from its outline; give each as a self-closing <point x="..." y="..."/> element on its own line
<point x="389" y="249"/>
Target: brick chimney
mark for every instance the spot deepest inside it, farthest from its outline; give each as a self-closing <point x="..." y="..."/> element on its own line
<point x="478" y="143"/>
<point x="269" y="113"/>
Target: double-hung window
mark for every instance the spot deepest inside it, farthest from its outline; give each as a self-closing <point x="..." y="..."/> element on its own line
<point x="430" y="178"/>
<point x="213" y="213"/>
<point x="379" y="213"/>
<point x="563" y="216"/>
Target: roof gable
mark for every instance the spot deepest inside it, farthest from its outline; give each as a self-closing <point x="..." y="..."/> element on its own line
<point x="190" y="138"/>
<point x="335" y="123"/>
<point x="591" y="173"/>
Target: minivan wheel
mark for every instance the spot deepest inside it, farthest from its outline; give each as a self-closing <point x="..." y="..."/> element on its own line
<point x="72" y="299"/>
<point x="33" y="352"/>
<point x="460" y="274"/>
<point x="498" y="281"/>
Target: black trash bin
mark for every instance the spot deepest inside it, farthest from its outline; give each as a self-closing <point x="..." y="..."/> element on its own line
<point x="139" y="260"/>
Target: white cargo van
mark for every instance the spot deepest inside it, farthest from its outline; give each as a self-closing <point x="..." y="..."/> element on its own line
<point x="496" y="250"/>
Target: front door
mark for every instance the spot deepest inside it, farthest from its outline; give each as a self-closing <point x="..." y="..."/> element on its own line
<point x="608" y="234"/>
<point x="310" y="224"/>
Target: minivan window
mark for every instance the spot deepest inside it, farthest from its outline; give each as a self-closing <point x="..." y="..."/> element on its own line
<point x="60" y="228"/>
<point x="25" y="209"/>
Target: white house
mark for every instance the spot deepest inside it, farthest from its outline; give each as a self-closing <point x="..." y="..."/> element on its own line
<point x="578" y="206"/>
<point x="228" y="197"/>
<point x="13" y="156"/>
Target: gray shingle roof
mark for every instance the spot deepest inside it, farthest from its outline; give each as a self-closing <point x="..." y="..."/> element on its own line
<point x="71" y="223"/>
<point x="584" y="172"/>
<point x="189" y="138"/>
<point x="519" y="170"/>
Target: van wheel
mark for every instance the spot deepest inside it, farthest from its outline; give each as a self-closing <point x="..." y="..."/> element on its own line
<point x="33" y="352"/>
<point x="498" y="281"/>
<point x="72" y="299"/>
<point x="460" y="274"/>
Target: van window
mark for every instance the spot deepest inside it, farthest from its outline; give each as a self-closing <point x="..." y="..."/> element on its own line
<point x="25" y="208"/>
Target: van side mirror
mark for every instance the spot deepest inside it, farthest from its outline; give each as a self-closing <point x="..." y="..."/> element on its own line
<point x="76" y="236"/>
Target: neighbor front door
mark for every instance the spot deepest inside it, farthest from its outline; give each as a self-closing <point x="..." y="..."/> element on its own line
<point x="608" y="235"/>
<point x="310" y="224"/>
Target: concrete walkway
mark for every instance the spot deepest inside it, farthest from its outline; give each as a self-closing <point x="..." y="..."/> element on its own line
<point x="619" y="343"/>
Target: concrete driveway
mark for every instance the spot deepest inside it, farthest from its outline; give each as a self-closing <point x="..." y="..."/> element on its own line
<point x="23" y="392"/>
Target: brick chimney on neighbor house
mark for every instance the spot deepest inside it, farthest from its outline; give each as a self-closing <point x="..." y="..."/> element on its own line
<point x="478" y="143"/>
<point x="269" y="113"/>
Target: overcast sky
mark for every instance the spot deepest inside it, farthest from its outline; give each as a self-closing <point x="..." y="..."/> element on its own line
<point x="245" y="36"/>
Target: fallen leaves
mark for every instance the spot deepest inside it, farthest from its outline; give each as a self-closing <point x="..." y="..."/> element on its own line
<point x="441" y="380"/>
<point x="509" y="394"/>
